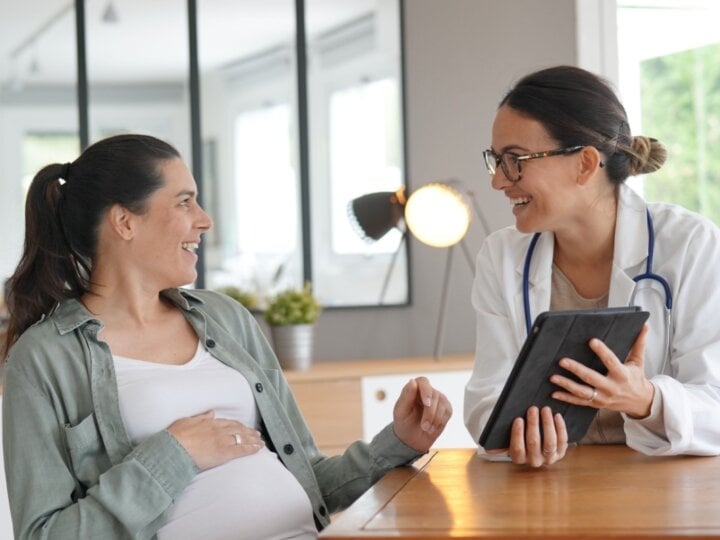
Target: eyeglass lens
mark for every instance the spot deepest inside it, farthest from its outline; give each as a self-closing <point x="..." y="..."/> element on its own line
<point x="508" y="162"/>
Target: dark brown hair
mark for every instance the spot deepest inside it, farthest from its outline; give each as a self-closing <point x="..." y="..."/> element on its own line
<point x="64" y="207"/>
<point x="579" y="108"/>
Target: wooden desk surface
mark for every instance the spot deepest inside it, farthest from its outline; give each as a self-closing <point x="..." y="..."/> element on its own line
<point x="595" y="492"/>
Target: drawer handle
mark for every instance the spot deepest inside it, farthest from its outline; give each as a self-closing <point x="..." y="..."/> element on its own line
<point x="380" y="395"/>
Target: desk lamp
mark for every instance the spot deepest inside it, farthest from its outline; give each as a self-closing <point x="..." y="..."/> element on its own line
<point x="437" y="214"/>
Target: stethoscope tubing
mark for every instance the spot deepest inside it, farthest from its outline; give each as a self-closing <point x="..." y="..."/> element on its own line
<point x="648" y="274"/>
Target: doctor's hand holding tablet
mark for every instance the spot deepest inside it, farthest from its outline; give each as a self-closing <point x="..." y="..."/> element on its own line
<point x="584" y="242"/>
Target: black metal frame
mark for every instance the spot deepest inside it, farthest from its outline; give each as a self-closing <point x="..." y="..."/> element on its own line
<point x="196" y="118"/>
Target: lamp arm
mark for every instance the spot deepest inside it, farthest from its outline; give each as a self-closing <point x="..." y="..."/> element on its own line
<point x="391" y="266"/>
<point x="481" y="217"/>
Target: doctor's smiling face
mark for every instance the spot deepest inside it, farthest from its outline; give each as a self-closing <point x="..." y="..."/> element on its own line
<point x="545" y="196"/>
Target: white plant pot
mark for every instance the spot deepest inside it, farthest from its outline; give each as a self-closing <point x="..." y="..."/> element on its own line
<point x="293" y="345"/>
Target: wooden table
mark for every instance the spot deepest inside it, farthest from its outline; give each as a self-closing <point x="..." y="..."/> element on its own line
<point x="595" y="492"/>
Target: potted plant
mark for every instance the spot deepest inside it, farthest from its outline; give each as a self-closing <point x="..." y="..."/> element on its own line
<point x="246" y="298"/>
<point x="291" y="315"/>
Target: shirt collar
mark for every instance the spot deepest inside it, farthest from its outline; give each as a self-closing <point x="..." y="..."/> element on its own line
<point x="72" y="314"/>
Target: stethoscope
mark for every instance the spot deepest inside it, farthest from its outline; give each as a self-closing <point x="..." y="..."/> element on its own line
<point x="648" y="274"/>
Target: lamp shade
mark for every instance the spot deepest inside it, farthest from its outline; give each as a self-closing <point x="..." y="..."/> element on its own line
<point x="374" y="214"/>
<point x="438" y="214"/>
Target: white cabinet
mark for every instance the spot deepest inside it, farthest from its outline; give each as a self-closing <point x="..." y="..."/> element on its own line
<point x="346" y="401"/>
<point x="379" y="394"/>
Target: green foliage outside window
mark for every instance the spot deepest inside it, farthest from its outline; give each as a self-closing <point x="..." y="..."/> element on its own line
<point x="681" y="108"/>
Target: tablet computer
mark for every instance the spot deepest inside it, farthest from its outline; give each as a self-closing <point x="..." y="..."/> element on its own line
<point x="556" y="335"/>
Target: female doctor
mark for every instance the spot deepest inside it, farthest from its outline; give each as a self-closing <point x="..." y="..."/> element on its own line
<point x="561" y="151"/>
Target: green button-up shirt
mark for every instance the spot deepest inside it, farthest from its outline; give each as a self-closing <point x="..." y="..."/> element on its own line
<point x="71" y="469"/>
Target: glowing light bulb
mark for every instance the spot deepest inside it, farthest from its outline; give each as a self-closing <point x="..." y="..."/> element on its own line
<point x="438" y="215"/>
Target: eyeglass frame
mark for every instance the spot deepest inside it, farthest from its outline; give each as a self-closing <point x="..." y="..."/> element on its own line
<point x="489" y="156"/>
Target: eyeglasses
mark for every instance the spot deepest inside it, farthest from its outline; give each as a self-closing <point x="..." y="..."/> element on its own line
<point x="511" y="163"/>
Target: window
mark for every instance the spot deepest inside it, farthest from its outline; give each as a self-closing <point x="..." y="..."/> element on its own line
<point x="669" y="73"/>
<point x="266" y="244"/>
<point x="363" y="157"/>
<point x="356" y="125"/>
<point x="39" y="149"/>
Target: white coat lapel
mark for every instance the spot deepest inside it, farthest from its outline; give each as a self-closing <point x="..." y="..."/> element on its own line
<point x="631" y="246"/>
<point x="539" y="282"/>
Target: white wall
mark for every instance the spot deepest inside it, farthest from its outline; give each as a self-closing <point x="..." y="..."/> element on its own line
<point x="461" y="57"/>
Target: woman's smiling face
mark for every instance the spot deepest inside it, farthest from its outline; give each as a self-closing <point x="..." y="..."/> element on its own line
<point x="169" y="231"/>
<point x="544" y="197"/>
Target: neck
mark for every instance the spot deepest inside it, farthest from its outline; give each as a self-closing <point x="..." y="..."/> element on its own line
<point x="589" y="241"/>
<point x="119" y="297"/>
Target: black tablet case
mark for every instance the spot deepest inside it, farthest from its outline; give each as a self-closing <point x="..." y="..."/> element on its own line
<point x="555" y="335"/>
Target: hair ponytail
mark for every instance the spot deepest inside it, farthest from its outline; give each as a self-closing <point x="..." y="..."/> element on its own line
<point x="62" y="221"/>
<point x="46" y="273"/>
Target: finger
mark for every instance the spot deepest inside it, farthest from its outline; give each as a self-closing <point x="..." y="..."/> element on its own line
<point x="229" y="424"/>
<point x="429" y="413"/>
<point x="561" y="435"/>
<point x="579" y="393"/>
<point x="426" y="391"/>
<point x="251" y="436"/>
<point x="247" y="437"/>
<point x="533" y="441"/>
<point x="549" y="438"/>
<point x="637" y="352"/>
<point x="207" y="414"/>
<point x="605" y="354"/>
<point x="443" y="412"/>
<point x="246" y="448"/>
<point x="586" y="374"/>
<point x="517" y="451"/>
<point x="405" y="404"/>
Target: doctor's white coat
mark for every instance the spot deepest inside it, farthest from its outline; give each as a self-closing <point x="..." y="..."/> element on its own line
<point x="685" y="413"/>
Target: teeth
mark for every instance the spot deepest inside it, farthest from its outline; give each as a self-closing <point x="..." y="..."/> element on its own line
<point x="519" y="200"/>
<point x="190" y="246"/>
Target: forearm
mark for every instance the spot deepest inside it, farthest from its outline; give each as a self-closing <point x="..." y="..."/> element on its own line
<point x="128" y="500"/>
<point x="682" y="420"/>
<point x="342" y="479"/>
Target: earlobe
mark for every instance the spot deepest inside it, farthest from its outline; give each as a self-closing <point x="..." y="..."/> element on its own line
<point x="120" y="221"/>
<point x="589" y="164"/>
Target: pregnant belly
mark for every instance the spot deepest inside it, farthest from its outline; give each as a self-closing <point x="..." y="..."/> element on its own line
<point x="248" y="498"/>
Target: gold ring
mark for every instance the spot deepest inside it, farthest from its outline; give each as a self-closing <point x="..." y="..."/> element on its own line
<point x="594" y="395"/>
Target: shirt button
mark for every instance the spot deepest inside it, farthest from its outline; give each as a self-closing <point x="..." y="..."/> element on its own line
<point x="259" y="387"/>
<point x="323" y="511"/>
<point x="210" y="343"/>
<point x="288" y="449"/>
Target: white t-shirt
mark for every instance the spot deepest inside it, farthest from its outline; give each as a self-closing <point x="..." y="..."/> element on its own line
<point x="252" y="497"/>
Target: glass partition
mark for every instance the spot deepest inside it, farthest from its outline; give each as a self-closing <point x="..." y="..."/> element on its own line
<point x="137" y="64"/>
<point x="356" y="146"/>
<point x="253" y="177"/>
<point x="38" y="106"/>
<point x="249" y="110"/>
